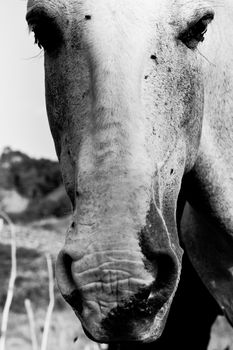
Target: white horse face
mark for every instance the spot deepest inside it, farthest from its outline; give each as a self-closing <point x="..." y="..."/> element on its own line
<point x="124" y="96"/>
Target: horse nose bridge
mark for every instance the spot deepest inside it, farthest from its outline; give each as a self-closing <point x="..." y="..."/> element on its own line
<point x="114" y="65"/>
<point x="129" y="35"/>
<point x="116" y="129"/>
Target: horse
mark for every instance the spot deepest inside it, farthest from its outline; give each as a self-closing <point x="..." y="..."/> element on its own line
<point x="139" y="97"/>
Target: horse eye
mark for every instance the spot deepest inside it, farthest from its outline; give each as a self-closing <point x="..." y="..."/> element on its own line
<point x="46" y="32"/>
<point x="196" y="32"/>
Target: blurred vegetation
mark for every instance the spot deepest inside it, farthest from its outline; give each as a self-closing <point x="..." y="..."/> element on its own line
<point x="38" y="180"/>
<point x="32" y="178"/>
<point x="32" y="277"/>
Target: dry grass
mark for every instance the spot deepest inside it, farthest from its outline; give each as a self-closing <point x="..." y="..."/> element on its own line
<point x="65" y="332"/>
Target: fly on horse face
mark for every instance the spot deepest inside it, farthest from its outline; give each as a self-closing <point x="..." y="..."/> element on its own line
<point x="139" y="97"/>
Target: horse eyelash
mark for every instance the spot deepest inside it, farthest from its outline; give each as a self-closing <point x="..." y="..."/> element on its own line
<point x="36" y="41"/>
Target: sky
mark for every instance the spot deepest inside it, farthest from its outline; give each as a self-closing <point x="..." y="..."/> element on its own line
<point x="23" y="120"/>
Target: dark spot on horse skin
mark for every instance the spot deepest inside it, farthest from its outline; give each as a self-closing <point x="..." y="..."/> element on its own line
<point x="87" y="17"/>
<point x="169" y="70"/>
<point x="172" y="171"/>
<point x="154" y="57"/>
<point x="75" y="339"/>
<point x="146" y="76"/>
<point x="73" y="225"/>
<point x="85" y="93"/>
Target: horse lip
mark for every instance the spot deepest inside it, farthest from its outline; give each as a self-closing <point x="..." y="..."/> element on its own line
<point x="147" y="324"/>
<point x="146" y="333"/>
<point x="143" y="317"/>
<point x="103" y="340"/>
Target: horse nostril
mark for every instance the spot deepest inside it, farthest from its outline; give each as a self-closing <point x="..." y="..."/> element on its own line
<point x="66" y="282"/>
<point x="75" y="300"/>
<point x="63" y="269"/>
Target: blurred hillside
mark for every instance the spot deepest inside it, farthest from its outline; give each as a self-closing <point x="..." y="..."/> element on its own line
<point x="31" y="188"/>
